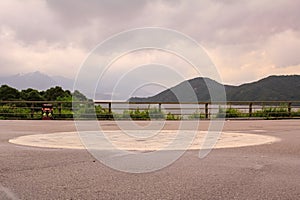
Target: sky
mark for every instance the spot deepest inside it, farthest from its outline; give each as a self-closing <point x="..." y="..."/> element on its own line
<point x="245" y="40"/>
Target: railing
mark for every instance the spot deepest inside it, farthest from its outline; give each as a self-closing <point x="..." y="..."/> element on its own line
<point x="31" y="109"/>
<point x="152" y="110"/>
<point x="209" y="110"/>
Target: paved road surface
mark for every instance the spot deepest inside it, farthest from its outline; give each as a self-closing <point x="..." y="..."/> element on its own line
<point x="269" y="171"/>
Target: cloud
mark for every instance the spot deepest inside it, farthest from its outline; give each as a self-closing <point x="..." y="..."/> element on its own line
<point x="283" y="49"/>
<point x="53" y="58"/>
<point x="246" y="39"/>
<point x="31" y="21"/>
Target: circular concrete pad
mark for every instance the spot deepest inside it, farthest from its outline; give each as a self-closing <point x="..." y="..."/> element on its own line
<point x="71" y="140"/>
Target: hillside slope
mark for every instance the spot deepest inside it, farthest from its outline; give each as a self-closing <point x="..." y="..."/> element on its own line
<point x="36" y="80"/>
<point x="272" y="88"/>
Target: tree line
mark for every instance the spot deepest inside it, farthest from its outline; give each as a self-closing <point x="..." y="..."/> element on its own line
<point x="57" y="93"/>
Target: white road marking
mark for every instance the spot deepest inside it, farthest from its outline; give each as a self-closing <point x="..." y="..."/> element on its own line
<point x="71" y="140"/>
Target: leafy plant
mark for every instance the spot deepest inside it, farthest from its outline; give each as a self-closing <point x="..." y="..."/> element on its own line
<point x="138" y="114"/>
<point x="273" y="112"/>
<point x="12" y="112"/>
<point x="230" y="113"/>
<point x="296" y="113"/>
<point x="103" y="113"/>
<point x="197" y="115"/>
<point x="171" y="116"/>
<point x="155" y="113"/>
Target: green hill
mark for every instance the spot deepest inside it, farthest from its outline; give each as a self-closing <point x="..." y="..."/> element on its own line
<point x="272" y="88"/>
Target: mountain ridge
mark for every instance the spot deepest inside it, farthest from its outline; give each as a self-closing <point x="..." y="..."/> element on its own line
<point x="271" y="88"/>
<point x="36" y="80"/>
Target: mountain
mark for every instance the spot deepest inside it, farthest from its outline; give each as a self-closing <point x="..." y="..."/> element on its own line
<point x="66" y="83"/>
<point x="36" y="80"/>
<point x="41" y="81"/>
<point x="272" y="88"/>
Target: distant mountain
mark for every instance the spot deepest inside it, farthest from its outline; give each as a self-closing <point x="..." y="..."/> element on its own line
<point x="64" y="82"/>
<point x="36" y="80"/>
<point x="41" y="81"/>
<point x="272" y="88"/>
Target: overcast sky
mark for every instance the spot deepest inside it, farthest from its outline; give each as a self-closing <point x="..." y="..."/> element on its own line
<point x="246" y="40"/>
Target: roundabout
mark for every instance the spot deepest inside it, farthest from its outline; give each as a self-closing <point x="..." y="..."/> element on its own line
<point x="134" y="141"/>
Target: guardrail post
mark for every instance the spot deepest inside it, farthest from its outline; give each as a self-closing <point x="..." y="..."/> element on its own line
<point x="59" y="109"/>
<point x="250" y="109"/>
<point x="109" y="107"/>
<point x="290" y="109"/>
<point x="206" y="111"/>
<point x="32" y="110"/>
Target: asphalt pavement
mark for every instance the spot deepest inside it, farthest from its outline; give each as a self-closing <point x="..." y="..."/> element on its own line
<point x="267" y="171"/>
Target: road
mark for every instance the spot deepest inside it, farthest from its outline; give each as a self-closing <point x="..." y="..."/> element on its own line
<point x="268" y="171"/>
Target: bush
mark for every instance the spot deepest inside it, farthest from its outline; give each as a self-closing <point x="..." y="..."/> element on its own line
<point x="13" y="112"/>
<point x="137" y="114"/>
<point x="230" y="113"/>
<point x="197" y="115"/>
<point x="65" y="114"/>
<point x="296" y="113"/>
<point x="272" y="112"/>
<point x="102" y="113"/>
<point x="171" y="116"/>
<point x="155" y="113"/>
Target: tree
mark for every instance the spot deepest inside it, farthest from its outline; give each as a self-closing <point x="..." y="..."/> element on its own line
<point x="53" y="93"/>
<point x="8" y="93"/>
<point x="78" y="96"/>
<point x="31" y="95"/>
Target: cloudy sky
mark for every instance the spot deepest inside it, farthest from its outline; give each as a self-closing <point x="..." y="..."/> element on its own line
<point x="246" y="40"/>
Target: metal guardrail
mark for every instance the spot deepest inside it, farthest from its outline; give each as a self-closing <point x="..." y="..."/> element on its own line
<point x="208" y="110"/>
<point x="173" y="110"/>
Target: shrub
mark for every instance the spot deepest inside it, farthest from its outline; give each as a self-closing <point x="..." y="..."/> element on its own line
<point x="65" y="114"/>
<point x="272" y="112"/>
<point x="230" y="113"/>
<point x="296" y="113"/>
<point x="155" y="113"/>
<point x="137" y="114"/>
<point x="197" y="115"/>
<point x="171" y="116"/>
<point x="13" y="112"/>
<point x="103" y="113"/>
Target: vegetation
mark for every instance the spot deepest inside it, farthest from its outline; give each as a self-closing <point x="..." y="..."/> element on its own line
<point x="16" y="104"/>
<point x="137" y="114"/>
<point x="296" y="114"/>
<point x="272" y="88"/>
<point x="20" y="110"/>
<point x="273" y="112"/>
<point x="230" y="113"/>
<point x="171" y="116"/>
<point x="103" y="113"/>
<point x="13" y="112"/>
<point x="197" y="115"/>
<point x="267" y="112"/>
<point x="8" y="93"/>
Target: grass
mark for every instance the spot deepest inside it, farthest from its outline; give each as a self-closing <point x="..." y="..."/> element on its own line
<point x="273" y="112"/>
<point x="230" y="113"/>
<point x="171" y="116"/>
<point x="197" y="115"/>
<point x="269" y="112"/>
<point x="137" y="114"/>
